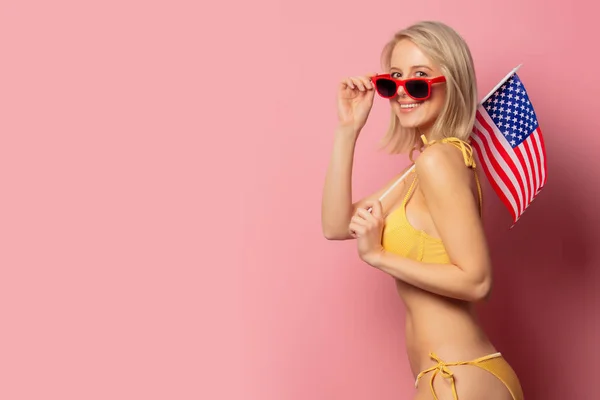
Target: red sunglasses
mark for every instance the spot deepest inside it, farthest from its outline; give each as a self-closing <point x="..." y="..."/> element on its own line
<point x="417" y="88"/>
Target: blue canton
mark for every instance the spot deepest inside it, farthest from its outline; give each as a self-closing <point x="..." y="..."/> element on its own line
<point x="510" y="109"/>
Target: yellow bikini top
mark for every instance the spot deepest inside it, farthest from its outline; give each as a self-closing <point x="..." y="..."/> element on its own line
<point x="401" y="238"/>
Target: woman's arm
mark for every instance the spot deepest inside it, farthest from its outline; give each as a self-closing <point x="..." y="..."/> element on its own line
<point x="445" y="183"/>
<point x="337" y="208"/>
<point x="444" y="279"/>
<point x="336" y="204"/>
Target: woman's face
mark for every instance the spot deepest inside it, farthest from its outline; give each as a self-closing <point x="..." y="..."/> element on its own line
<point x="408" y="61"/>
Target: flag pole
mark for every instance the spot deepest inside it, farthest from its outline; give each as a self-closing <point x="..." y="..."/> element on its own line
<point x="511" y="73"/>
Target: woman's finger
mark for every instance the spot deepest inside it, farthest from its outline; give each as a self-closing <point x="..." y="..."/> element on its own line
<point x="357" y="229"/>
<point x="366" y="215"/>
<point x="359" y="220"/>
<point x="367" y="82"/>
<point x="358" y="83"/>
<point x="348" y="82"/>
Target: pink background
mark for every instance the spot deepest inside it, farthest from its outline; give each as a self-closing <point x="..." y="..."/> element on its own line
<point x="161" y="166"/>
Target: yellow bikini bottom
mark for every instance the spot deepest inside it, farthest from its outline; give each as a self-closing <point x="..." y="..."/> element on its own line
<point x="493" y="363"/>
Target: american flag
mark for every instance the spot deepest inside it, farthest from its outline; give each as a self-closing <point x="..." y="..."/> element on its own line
<point x="510" y="146"/>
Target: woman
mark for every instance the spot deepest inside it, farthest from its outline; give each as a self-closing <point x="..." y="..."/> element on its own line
<point x="424" y="228"/>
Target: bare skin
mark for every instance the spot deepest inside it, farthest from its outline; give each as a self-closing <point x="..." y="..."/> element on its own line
<point x="438" y="297"/>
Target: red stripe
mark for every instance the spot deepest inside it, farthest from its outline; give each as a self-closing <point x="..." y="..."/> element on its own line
<point x="531" y="171"/>
<point x="491" y="179"/>
<point x="528" y="177"/>
<point x="538" y="184"/>
<point x="499" y="170"/>
<point x="544" y="153"/>
<point x="515" y="172"/>
<point x="513" y="169"/>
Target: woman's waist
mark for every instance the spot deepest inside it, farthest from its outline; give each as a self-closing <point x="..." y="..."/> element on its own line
<point x="450" y="333"/>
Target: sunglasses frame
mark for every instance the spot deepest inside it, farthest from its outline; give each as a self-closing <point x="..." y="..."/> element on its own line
<point x="402" y="82"/>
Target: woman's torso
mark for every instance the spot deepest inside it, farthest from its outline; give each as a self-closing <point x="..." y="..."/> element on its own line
<point x="433" y="322"/>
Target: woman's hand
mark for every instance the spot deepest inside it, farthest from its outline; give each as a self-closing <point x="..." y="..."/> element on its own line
<point x="367" y="227"/>
<point x="354" y="100"/>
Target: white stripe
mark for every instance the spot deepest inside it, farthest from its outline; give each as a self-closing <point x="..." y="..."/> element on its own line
<point x="497" y="179"/>
<point x="500" y="160"/>
<point x="537" y="134"/>
<point x="528" y="168"/>
<point x="511" y="153"/>
<point x="535" y="167"/>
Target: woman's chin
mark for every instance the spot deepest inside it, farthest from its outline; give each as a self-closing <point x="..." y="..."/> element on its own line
<point x="410" y="121"/>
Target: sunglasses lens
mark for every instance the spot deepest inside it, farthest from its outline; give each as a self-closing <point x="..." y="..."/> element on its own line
<point x="417" y="89"/>
<point x="386" y="87"/>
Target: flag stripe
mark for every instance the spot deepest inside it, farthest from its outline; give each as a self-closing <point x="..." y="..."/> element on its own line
<point x="542" y="150"/>
<point x="508" y="154"/>
<point x="531" y="164"/>
<point x="505" y="168"/>
<point x="494" y="170"/>
<point x="498" y="164"/>
<point x="536" y="170"/>
<point x="496" y="182"/>
<point x="525" y="161"/>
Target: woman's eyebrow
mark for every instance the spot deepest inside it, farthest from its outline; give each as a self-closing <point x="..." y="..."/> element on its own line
<point x="421" y="66"/>
<point x="414" y="67"/>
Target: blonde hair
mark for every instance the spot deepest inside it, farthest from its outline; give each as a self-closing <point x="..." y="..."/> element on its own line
<point x="446" y="48"/>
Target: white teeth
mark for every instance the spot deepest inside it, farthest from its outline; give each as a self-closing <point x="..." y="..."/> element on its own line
<point x="413" y="105"/>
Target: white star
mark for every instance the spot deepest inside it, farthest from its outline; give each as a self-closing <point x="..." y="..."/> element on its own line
<point x="500" y="123"/>
<point x="520" y="137"/>
<point x="494" y="116"/>
<point x="518" y="83"/>
<point x="512" y="142"/>
<point x="510" y="103"/>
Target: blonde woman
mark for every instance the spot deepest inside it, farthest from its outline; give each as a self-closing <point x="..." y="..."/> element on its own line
<point x="424" y="227"/>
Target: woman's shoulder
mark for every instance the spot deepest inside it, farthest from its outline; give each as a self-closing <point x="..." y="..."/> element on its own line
<point x="444" y="153"/>
<point x="445" y="160"/>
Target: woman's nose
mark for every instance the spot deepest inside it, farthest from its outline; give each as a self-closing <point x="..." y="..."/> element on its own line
<point x="400" y="92"/>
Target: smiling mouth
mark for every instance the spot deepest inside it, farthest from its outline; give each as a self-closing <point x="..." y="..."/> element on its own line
<point x="411" y="105"/>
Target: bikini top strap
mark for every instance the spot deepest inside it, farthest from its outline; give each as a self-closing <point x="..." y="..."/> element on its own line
<point x="468" y="157"/>
<point x="409" y="192"/>
<point x="464" y="147"/>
